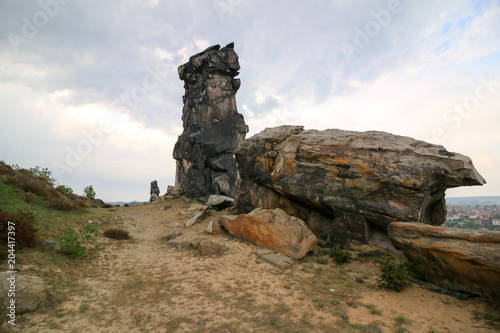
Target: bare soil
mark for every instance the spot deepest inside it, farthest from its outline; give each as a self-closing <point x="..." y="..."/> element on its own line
<point x="145" y="285"/>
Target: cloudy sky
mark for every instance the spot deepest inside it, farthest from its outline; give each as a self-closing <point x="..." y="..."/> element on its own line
<point x="90" y="88"/>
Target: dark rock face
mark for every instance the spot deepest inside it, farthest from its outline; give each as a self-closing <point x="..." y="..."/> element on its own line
<point x="213" y="128"/>
<point x="154" y="192"/>
<point x="455" y="259"/>
<point x="344" y="184"/>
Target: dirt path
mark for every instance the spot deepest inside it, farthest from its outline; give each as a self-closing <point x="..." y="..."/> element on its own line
<point x="145" y="285"/>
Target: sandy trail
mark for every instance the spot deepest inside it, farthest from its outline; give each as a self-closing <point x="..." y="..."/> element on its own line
<point x="144" y="285"/>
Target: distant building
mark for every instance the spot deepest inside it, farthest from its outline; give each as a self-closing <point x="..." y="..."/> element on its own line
<point x="495" y="221"/>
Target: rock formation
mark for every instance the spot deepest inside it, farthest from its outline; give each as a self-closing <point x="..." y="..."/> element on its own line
<point x="213" y="128"/>
<point x="273" y="229"/>
<point x="455" y="259"/>
<point x="154" y="192"/>
<point x="344" y="184"/>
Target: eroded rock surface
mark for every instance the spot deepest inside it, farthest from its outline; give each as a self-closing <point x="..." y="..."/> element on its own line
<point x="213" y="128"/>
<point x="154" y="192"/>
<point x="455" y="259"/>
<point x="273" y="229"/>
<point x="344" y="184"/>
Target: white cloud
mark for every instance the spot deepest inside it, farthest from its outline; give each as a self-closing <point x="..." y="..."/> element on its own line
<point x="68" y="77"/>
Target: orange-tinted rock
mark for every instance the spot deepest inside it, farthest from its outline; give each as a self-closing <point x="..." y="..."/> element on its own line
<point x="455" y="259"/>
<point x="273" y="229"/>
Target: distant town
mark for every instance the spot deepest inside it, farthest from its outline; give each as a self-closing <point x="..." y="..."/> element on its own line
<point x="469" y="213"/>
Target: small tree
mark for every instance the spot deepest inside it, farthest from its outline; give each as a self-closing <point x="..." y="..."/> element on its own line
<point x="89" y="192"/>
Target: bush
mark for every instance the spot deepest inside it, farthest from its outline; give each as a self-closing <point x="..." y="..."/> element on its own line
<point x="394" y="273"/>
<point x="89" y="192"/>
<point x="116" y="234"/>
<point x="6" y="169"/>
<point x="71" y="241"/>
<point x="341" y="255"/>
<point x="24" y="227"/>
<point x="65" y="189"/>
<point x="62" y="205"/>
<point x="107" y="206"/>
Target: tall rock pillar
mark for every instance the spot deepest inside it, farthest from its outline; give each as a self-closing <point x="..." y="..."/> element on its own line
<point x="213" y="128"/>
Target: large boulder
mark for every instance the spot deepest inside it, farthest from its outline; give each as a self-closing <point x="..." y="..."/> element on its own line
<point x="344" y="184"/>
<point x="273" y="229"/>
<point x="455" y="259"/>
<point x="29" y="293"/>
<point x="213" y="128"/>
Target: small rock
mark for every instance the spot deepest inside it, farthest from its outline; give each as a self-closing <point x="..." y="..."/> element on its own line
<point x="180" y="243"/>
<point x="214" y="228"/>
<point x="209" y="248"/>
<point x="172" y="235"/>
<point x="273" y="259"/>
<point x="197" y="217"/>
<point x="174" y="224"/>
<point x="52" y="244"/>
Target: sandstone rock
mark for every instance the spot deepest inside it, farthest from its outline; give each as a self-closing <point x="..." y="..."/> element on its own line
<point x="209" y="248"/>
<point x="213" y="128"/>
<point x="180" y="243"/>
<point x="344" y="184"/>
<point x="173" y="234"/>
<point x="455" y="259"/>
<point x="154" y="192"/>
<point x="31" y="293"/>
<point x="273" y="259"/>
<point x="197" y="217"/>
<point x="219" y="201"/>
<point x="214" y="228"/>
<point x="273" y="229"/>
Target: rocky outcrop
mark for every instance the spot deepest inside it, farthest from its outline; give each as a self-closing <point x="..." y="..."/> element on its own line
<point x="154" y="192"/>
<point x="455" y="259"/>
<point x="213" y="128"/>
<point x="344" y="184"/>
<point x="273" y="229"/>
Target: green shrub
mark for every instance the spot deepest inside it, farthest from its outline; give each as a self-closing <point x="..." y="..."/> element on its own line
<point x="341" y="255"/>
<point x="89" y="192"/>
<point x="64" y="189"/>
<point x="117" y="234"/>
<point x="24" y="230"/>
<point x="107" y="206"/>
<point x="71" y="241"/>
<point x="394" y="273"/>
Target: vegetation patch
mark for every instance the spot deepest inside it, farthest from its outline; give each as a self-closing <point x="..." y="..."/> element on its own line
<point x="24" y="231"/>
<point x="116" y="234"/>
<point x="394" y="273"/>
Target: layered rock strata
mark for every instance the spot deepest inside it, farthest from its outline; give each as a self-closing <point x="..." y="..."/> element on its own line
<point x="213" y="128"/>
<point x="455" y="259"/>
<point x="344" y="184"/>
